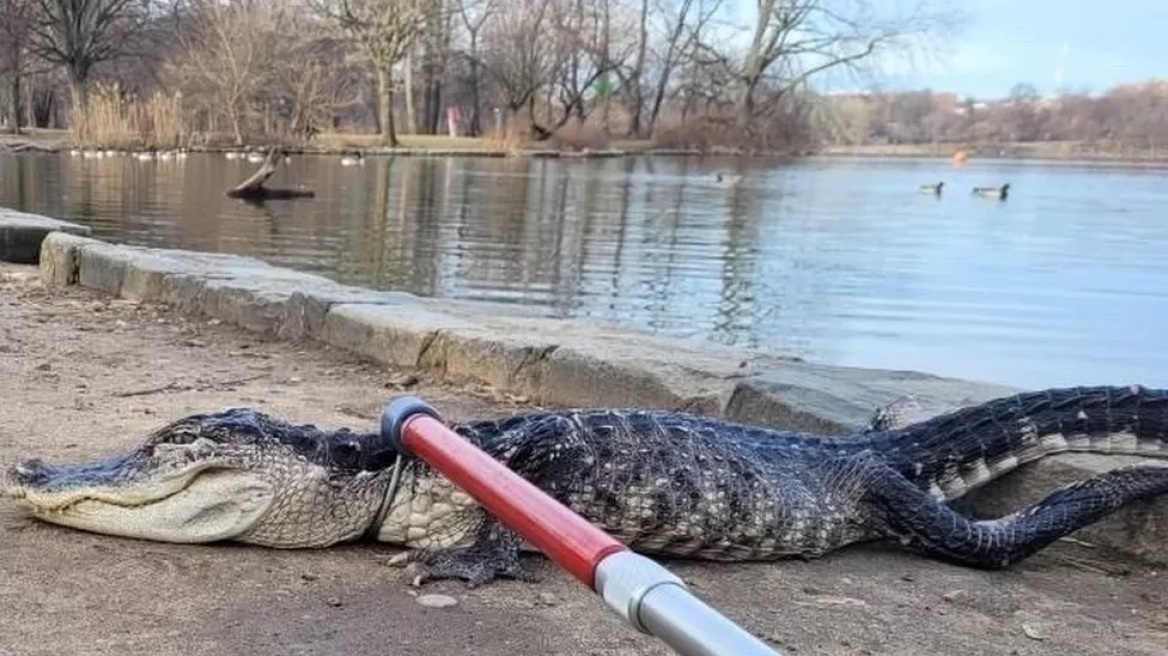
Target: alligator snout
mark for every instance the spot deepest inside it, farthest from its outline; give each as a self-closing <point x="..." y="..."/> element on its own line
<point x="12" y="481"/>
<point x="33" y="471"/>
<point x="15" y="480"/>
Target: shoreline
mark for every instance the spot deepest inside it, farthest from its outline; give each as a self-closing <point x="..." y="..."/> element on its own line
<point x="1049" y="154"/>
<point x="1042" y="153"/>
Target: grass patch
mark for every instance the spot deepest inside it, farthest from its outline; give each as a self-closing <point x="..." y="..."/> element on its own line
<point x="113" y="119"/>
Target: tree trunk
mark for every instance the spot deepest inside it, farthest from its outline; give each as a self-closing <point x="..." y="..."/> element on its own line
<point x="79" y="95"/>
<point x="385" y="108"/>
<point x="433" y="104"/>
<point x="637" y="79"/>
<point x="17" y="101"/>
<point x="476" y="103"/>
<point x="746" y="106"/>
<point x="431" y="90"/>
<point x="235" y="115"/>
<point x="411" y="108"/>
<point x="659" y="100"/>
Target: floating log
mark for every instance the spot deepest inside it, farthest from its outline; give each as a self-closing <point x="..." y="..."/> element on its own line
<point x="253" y="188"/>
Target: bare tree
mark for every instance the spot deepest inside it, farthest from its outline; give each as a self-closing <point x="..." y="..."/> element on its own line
<point x="80" y="34"/>
<point x="385" y="30"/>
<point x="228" y="52"/>
<point x="15" y="25"/>
<point x="793" y="41"/>
<point x="681" y="26"/>
<point x="318" y="78"/>
<point x="261" y="67"/>
<point x="633" y="78"/>
<point x="474" y="15"/>
<point x="518" y="56"/>
<point x="437" y="41"/>
<point x="584" y="32"/>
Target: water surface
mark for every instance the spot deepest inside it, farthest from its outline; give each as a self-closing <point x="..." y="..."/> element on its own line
<point x="838" y="261"/>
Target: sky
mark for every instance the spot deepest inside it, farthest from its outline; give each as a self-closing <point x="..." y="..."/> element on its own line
<point x="1052" y="44"/>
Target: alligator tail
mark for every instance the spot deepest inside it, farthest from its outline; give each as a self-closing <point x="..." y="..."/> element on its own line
<point x="956" y="452"/>
<point x="909" y="515"/>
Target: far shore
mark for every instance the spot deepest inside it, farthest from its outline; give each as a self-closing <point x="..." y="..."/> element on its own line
<point x="1052" y="153"/>
<point x="370" y="144"/>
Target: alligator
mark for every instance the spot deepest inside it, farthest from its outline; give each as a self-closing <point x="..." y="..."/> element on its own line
<point x="665" y="483"/>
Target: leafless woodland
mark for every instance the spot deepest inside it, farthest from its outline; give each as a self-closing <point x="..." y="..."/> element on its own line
<point x="684" y="73"/>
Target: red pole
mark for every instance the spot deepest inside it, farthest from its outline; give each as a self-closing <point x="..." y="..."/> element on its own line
<point x="568" y="539"/>
<point x="646" y="595"/>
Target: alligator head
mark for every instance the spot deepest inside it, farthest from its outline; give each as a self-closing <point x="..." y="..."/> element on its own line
<point x="232" y="475"/>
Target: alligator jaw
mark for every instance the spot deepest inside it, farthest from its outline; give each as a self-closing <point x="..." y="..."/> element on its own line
<point x="130" y="495"/>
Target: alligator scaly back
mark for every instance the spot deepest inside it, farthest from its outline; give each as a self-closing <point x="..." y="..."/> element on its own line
<point x="677" y="484"/>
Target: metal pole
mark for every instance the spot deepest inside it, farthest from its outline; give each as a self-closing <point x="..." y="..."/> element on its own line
<point x="646" y="595"/>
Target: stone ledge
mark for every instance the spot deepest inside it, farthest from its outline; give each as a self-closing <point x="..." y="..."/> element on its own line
<point x="829" y="399"/>
<point x="21" y="235"/>
<point x="570" y="363"/>
<point x="563" y="362"/>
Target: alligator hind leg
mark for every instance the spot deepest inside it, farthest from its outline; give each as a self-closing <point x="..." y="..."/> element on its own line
<point x="909" y="514"/>
<point x="494" y="554"/>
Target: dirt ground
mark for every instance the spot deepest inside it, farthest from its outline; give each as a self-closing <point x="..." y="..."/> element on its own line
<point x="82" y="375"/>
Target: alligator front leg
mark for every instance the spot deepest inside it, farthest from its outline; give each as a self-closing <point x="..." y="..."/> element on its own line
<point x="493" y="554"/>
<point x="904" y="512"/>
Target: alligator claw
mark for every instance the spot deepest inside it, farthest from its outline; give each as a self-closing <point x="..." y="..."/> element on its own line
<point x="494" y="555"/>
<point x="472" y="566"/>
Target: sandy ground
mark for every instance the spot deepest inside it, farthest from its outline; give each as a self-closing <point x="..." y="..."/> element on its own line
<point x="82" y="376"/>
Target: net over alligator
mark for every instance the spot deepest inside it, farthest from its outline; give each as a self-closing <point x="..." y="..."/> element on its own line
<point x="665" y="483"/>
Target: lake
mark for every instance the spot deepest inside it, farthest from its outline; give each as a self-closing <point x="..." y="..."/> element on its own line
<point x="833" y="260"/>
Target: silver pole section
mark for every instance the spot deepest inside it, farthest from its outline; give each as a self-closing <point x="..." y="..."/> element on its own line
<point x="653" y="600"/>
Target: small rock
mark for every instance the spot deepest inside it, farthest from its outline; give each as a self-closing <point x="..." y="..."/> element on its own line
<point x="436" y="600"/>
<point x="334" y="602"/>
<point x="1032" y="632"/>
<point x="908" y="577"/>
<point x="44" y="366"/>
<point x="402" y="380"/>
<point x="548" y="599"/>
<point x="954" y="596"/>
<point x="308" y="577"/>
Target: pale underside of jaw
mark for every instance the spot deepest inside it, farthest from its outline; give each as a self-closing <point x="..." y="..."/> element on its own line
<point x="212" y="506"/>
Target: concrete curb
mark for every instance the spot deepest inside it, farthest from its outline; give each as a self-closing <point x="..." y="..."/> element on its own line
<point x="566" y="363"/>
<point x="21" y="235"/>
<point x="547" y="360"/>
